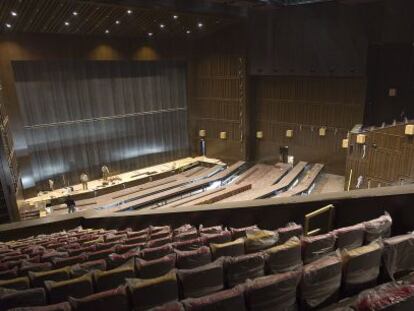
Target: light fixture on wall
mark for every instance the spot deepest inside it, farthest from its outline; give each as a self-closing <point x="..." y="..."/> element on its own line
<point x="74" y="13"/>
<point x="259" y="134"/>
<point x="409" y="129"/>
<point x="200" y="25"/>
<point x="345" y="143"/>
<point x="223" y="135"/>
<point x="202" y="133"/>
<point x="289" y="133"/>
<point x="360" y="139"/>
<point x="13" y="13"/>
<point x="8" y="25"/>
<point x="322" y="131"/>
<point x="129" y="12"/>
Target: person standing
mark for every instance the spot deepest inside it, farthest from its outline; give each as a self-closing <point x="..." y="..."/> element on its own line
<point x="84" y="180"/>
<point x="51" y="185"/>
<point x="105" y="172"/>
<point x="70" y="203"/>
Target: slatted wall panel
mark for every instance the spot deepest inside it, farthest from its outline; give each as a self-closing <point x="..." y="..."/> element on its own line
<point x="305" y="104"/>
<point x="389" y="158"/>
<point x="217" y="88"/>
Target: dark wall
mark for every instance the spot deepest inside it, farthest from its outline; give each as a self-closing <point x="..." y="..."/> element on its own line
<point x="79" y="115"/>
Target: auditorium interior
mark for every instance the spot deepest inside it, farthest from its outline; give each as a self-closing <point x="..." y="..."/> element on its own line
<point x="206" y="155"/>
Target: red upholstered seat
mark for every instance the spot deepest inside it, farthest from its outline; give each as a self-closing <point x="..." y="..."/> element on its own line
<point x="315" y="247"/>
<point x="159" y="242"/>
<point x="210" y="230"/>
<point x="241" y="232"/>
<point x="156" y="252"/>
<point x="147" y="269"/>
<point x="68" y="261"/>
<point x="399" y="254"/>
<point x="378" y="228"/>
<point x="87" y="267"/>
<point x="238" y="269"/>
<point x="350" y="237"/>
<point x="77" y="287"/>
<point x="289" y="231"/>
<point x="189" y="245"/>
<point x="194" y="258"/>
<point x="22" y="298"/>
<point x="221" y="237"/>
<point x="110" y="300"/>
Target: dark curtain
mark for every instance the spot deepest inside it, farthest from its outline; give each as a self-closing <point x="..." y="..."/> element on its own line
<point x="80" y="115"/>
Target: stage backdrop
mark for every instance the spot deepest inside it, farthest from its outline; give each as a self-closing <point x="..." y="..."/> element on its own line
<point x="80" y="115"/>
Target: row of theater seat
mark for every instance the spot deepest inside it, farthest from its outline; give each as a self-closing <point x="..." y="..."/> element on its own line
<point x="199" y="281"/>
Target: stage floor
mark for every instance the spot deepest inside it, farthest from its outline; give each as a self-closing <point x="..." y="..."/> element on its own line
<point x="128" y="177"/>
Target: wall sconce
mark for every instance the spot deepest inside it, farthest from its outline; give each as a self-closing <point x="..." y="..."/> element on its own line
<point x="223" y="135"/>
<point x="360" y="139"/>
<point x="345" y="143"/>
<point x="259" y="134"/>
<point x="202" y="133"/>
<point x="322" y="131"/>
<point x="289" y="133"/>
<point x="409" y="129"/>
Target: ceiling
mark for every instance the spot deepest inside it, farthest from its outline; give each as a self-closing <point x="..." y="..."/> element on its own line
<point x="111" y="18"/>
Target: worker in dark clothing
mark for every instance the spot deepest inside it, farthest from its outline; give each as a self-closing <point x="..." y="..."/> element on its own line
<point x="70" y="203"/>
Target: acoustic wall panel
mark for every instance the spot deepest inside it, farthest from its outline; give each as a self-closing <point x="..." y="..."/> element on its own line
<point x="79" y="115"/>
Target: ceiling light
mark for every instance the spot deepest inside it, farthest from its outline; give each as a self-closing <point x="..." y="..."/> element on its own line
<point x="67" y="23"/>
<point x="175" y="16"/>
<point x="107" y="31"/>
<point x="8" y="25"/>
<point x="162" y="25"/>
<point x="13" y="13"/>
<point x="188" y="32"/>
<point x="75" y="13"/>
<point x="150" y="34"/>
<point x="200" y="25"/>
<point x="117" y="22"/>
<point x="129" y="11"/>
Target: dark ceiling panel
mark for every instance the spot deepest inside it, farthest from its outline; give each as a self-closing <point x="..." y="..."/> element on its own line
<point x="97" y="18"/>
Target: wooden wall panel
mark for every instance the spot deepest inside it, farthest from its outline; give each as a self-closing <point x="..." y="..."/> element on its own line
<point x="305" y="104"/>
<point x="388" y="161"/>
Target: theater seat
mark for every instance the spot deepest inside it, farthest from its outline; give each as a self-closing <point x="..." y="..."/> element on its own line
<point x="186" y="235"/>
<point x="156" y="252"/>
<point x="201" y="281"/>
<point x="315" y="247"/>
<point x="350" y="237"/>
<point x="88" y="267"/>
<point x="22" y="298"/>
<point x="170" y="306"/>
<point x="189" y="245"/>
<point x="110" y="300"/>
<point x="398" y="254"/>
<point x="106" y="280"/>
<point x="77" y="287"/>
<point x="147" y="269"/>
<point x="378" y="228"/>
<point x="37" y="278"/>
<point x="102" y="254"/>
<point x="63" y="306"/>
<point x="159" y="242"/>
<point x="321" y="281"/>
<point x="34" y="267"/>
<point x="149" y="293"/>
<point x="233" y="248"/>
<point x="9" y="274"/>
<point x="361" y="267"/>
<point x="237" y="233"/>
<point x="115" y="260"/>
<point x="16" y="283"/>
<point x="285" y="257"/>
<point x="258" y="240"/>
<point x="220" y="237"/>
<point x="273" y="292"/>
<point x="226" y="300"/>
<point x="239" y="269"/>
<point x="68" y="261"/>
<point x="289" y="231"/>
<point x="210" y="230"/>
<point x="193" y="259"/>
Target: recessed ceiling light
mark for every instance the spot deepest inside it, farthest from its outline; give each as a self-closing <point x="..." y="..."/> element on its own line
<point x="150" y="34"/>
<point x="67" y="23"/>
<point x="129" y="11"/>
<point x="75" y="13"/>
<point x="117" y="22"/>
<point x="107" y="31"/>
<point x="200" y="25"/>
<point x="188" y="32"/>
<point x="13" y="13"/>
<point x="8" y="25"/>
<point x="162" y="25"/>
<point x="175" y="16"/>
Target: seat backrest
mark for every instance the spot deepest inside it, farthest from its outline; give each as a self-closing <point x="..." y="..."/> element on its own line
<point x="193" y="259"/>
<point x="113" y="299"/>
<point x="398" y="254"/>
<point x="289" y="231"/>
<point x="68" y="261"/>
<point x="233" y="248"/>
<point x="77" y="287"/>
<point x="285" y="257"/>
<point x="315" y="247"/>
<point x="189" y="245"/>
<point x="16" y="283"/>
<point x="225" y="300"/>
<point x="87" y="267"/>
<point x="147" y="269"/>
<point x="241" y="232"/>
<point x="37" y="278"/>
<point x="106" y="280"/>
<point x="239" y="269"/>
<point x="23" y="298"/>
<point x="156" y="252"/>
<point x="146" y="294"/>
<point x="258" y="240"/>
<point x="220" y="237"/>
<point x="201" y="281"/>
<point x="350" y="237"/>
<point x="378" y="228"/>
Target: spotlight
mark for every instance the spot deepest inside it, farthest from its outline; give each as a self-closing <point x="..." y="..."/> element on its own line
<point x="13" y="13"/>
<point x="75" y="13"/>
<point x="200" y="25"/>
<point x="150" y="34"/>
<point x="175" y="16"/>
<point x="188" y="32"/>
<point x="8" y="25"/>
<point x="129" y="11"/>
<point x="67" y="23"/>
<point x="117" y="22"/>
<point x="107" y="31"/>
<point x="162" y="25"/>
